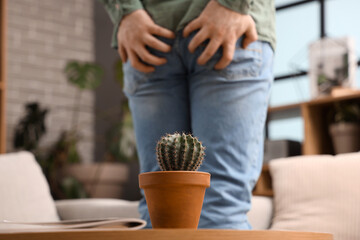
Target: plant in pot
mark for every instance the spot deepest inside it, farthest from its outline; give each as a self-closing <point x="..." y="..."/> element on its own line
<point x="175" y="195"/>
<point x="64" y="153"/>
<point x="108" y="177"/>
<point x="27" y="135"/>
<point x="345" y="129"/>
<point x="120" y="144"/>
<point x="119" y="168"/>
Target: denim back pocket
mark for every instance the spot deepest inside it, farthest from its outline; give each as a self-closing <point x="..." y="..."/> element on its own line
<point x="133" y="78"/>
<point x="246" y="63"/>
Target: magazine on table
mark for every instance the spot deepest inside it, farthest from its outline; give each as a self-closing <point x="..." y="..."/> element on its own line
<point x="115" y="223"/>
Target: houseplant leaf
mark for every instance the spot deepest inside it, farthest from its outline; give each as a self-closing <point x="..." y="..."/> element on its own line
<point x="84" y="75"/>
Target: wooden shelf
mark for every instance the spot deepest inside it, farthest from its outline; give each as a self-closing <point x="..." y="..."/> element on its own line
<point x="264" y="185"/>
<point x="284" y="108"/>
<point x="315" y="115"/>
<point x="319" y="101"/>
<point x="331" y="100"/>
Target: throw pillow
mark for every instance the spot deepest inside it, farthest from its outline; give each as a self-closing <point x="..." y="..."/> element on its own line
<point x="318" y="193"/>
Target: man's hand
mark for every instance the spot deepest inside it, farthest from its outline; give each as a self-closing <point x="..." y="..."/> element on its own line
<point x="136" y="31"/>
<point x="222" y="27"/>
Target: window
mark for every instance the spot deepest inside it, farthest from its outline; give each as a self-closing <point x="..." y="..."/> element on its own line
<point x="296" y="28"/>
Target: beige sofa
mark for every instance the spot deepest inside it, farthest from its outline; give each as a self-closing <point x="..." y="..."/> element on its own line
<point x="25" y="197"/>
<point x="311" y="193"/>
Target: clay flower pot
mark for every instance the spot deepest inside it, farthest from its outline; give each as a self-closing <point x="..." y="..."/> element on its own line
<point x="345" y="137"/>
<point x="174" y="198"/>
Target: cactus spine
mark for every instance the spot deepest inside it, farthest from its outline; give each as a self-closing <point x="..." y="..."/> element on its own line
<point x="179" y="152"/>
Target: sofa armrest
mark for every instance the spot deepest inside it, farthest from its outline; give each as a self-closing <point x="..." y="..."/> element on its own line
<point x="261" y="212"/>
<point x="96" y="208"/>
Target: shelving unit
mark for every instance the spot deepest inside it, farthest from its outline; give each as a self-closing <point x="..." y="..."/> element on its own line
<point x="3" y="30"/>
<point x="264" y="186"/>
<point x="316" y="129"/>
<point x="316" y="122"/>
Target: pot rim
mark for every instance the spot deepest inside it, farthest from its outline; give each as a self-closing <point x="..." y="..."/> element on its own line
<point x="174" y="172"/>
<point x="162" y="178"/>
<point x="353" y="124"/>
<point x="344" y="128"/>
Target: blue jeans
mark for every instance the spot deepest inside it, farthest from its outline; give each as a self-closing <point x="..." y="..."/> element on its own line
<point x="225" y="109"/>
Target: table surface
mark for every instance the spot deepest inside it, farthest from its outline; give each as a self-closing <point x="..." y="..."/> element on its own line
<point x="165" y="234"/>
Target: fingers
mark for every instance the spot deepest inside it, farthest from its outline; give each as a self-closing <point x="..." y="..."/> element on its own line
<point x="135" y="32"/>
<point x="209" y="51"/>
<point x="135" y="62"/>
<point x="199" y="37"/>
<point x="138" y="50"/>
<point x="162" y="32"/>
<point x="122" y="53"/>
<point x="227" y="56"/>
<point x="147" y="57"/>
<point x="155" y="43"/>
<point x="192" y="26"/>
<point x="250" y="35"/>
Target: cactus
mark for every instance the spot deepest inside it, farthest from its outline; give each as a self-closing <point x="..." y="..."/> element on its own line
<point x="179" y="152"/>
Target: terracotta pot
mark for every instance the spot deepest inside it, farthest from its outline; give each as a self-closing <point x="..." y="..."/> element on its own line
<point x="345" y="137"/>
<point x="174" y="198"/>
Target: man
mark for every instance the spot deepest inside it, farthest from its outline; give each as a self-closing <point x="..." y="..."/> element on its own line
<point x="203" y="67"/>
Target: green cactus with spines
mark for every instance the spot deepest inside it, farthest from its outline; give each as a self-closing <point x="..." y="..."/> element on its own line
<point x="179" y="152"/>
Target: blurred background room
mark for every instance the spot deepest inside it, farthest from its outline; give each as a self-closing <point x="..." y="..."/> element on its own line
<point x="61" y="91"/>
<point x="67" y="145"/>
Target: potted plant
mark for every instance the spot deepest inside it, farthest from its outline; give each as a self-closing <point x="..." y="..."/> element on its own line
<point x="345" y="129"/>
<point x="108" y="177"/>
<point x="175" y="195"/>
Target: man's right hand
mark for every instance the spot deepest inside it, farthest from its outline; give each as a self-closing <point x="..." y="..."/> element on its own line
<point x="136" y="31"/>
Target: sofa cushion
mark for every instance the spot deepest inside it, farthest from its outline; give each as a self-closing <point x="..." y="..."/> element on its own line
<point x="97" y="208"/>
<point x="261" y="212"/>
<point x="318" y="193"/>
<point x="24" y="192"/>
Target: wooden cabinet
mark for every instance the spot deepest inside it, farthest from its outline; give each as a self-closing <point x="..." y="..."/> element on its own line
<point x="3" y="28"/>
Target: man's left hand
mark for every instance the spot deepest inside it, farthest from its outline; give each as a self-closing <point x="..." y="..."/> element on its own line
<point x="223" y="27"/>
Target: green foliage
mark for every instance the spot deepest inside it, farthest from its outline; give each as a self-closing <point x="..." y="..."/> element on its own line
<point x="321" y="79"/>
<point x="121" y="140"/>
<point x="65" y="149"/>
<point x="179" y="152"/>
<point x="347" y="112"/>
<point x="72" y="188"/>
<point x="121" y="145"/>
<point x="31" y="128"/>
<point x="119" y="74"/>
<point x="84" y="75"/>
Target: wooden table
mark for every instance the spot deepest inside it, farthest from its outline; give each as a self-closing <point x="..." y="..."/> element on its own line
<point x="165" y="234"/>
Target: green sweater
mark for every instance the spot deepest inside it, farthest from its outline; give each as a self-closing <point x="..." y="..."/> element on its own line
<point x="175" y="14"/>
